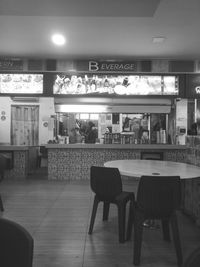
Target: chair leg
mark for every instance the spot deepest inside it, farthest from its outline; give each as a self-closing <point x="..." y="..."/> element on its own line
<point x="39" y="159"/>
<point x="176" y="238"/>
<point x="121" y="221"/>
<point x="94" y="211"/>
<point x="106" y="207"/>
<point x="1" y="204"/>
<point x="166" y="232"/>
<point x="130" y="221"/>
<point x="138" y="232"/>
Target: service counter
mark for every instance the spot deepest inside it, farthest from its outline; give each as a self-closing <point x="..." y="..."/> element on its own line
<point x="21" y="160"/>
<point x="73" y="161"/>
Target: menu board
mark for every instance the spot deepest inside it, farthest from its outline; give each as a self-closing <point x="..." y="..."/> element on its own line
<point x="21" y="83"/>
<point x="115" y="85"/>
<point x="193" y="86"/>
<point x="170" y="85"/>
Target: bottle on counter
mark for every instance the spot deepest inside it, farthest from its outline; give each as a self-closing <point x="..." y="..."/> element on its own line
<point x="66" y="138"/>
<point x="83" y="139"/>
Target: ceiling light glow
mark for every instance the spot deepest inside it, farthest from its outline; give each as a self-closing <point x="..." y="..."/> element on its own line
<point x="58" y="39"/>
<point x="83" y="108"/>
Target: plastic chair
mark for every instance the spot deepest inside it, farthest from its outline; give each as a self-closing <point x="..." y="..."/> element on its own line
<point x="157" y="198"/>
<point x="16" y="245"/>
<point x="106" y="183"/>
<point x="2" y="170"/>
<point x="193" y="260"/>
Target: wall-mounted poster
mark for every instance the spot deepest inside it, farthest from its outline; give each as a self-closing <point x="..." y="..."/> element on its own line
<point x="21" y="83"/>
<point x="115" y="85"/>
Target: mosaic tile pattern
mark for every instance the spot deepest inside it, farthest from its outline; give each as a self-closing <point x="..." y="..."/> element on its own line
<point x="75" y="163"/>
<point x="175" y="155"/>
<point x="20" y="168"/>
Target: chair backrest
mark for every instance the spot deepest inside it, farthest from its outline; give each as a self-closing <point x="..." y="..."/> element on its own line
<point x="193" y="260"/>
<point x="16" y="245"/>
<point x="159" y="196"/>
<point x="105" y="182"/>
<point x="2" y="166"/>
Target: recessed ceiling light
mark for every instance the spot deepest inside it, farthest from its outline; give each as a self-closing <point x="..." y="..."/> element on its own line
<point x="58" y="39"/>
<point x="158" y="40"/>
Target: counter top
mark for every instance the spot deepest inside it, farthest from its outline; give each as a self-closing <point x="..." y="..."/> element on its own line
<point x="116" y="146"/>
<point x="13" y="148"/>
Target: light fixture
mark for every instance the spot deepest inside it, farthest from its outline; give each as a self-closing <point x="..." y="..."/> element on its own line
<point x="58" y="39"/>
<point x="83" y="108"/>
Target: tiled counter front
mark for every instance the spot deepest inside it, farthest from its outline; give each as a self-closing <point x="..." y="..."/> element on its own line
<point x="192" y="186"/>
<point x="73" y="162"/>
<point x="19" y="169"/>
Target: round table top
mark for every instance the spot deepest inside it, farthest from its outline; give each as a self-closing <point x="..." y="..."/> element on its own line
<point x="137" y="168"/>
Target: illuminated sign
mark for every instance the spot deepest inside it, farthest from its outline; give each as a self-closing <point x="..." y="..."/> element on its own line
<point x="21" y="83"/>
<point x="11" y="64"/>
<point x="193" y="86"/>
<point x="112" y="66"/>
<point x="126" y="85"/>
<point x="197" y="90"/>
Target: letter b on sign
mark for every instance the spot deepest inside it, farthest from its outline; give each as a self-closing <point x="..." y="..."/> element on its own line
<point x="93" y="66"/>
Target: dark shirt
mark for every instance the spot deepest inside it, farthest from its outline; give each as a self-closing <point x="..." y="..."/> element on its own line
<point x="91" y="137"/>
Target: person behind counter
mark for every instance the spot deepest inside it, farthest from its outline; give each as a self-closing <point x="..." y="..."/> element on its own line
<point x="91" y="133"/>
<point x="193" y="129"/>
<point x="75" y="136"/>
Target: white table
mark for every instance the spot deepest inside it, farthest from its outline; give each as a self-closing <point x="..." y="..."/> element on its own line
<point x="137" y="168"/>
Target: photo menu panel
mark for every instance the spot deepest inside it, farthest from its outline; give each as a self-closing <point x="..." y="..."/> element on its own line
<point x="123" y="85"/>
<point x="21" y="83"/>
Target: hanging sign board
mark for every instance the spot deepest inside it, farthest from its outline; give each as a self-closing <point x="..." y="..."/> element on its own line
<point x="106" y="66"/>
<point x="112" y="66"/>
<point x="118" y="84"/>
<point x="193" y="86"/>
<point x="14" y="83"/>
<point x="11" y="64"/>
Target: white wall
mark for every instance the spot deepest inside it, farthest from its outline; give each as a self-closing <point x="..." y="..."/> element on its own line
<point x="46" y="123"/>
<point x="46" y="109"/>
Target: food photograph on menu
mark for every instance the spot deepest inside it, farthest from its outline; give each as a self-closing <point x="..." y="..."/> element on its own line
<point x="170" y="84"/>
<point x="21" y="83"/>
<point x="115" y="85"/>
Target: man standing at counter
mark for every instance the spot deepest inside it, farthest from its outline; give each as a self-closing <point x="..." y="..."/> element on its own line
<point x="91" y="133"/>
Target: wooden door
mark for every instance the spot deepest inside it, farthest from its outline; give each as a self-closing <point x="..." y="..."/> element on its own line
<point x="25" y="125"/>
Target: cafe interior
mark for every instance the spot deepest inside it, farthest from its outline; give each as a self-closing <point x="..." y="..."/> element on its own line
<point x="99" y="133"/>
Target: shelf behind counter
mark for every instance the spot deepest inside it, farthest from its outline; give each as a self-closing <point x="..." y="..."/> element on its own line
<point x="73" y="161"/>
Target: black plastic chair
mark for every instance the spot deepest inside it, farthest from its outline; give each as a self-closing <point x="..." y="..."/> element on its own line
<point x="106" y="183"/>
<point x="16" y="245"/>
<point x="193" y="260"/>
<point x="3" y="163"/>
<point x="157" y="198"/>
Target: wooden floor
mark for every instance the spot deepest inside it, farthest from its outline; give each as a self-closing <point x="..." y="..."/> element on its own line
<point x="57" y="215"/>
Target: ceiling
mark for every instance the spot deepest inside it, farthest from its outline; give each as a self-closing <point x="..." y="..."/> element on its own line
<point x="106" y="29"/>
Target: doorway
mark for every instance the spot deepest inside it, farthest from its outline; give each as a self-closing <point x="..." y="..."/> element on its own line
<point x="25" y="125"/>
